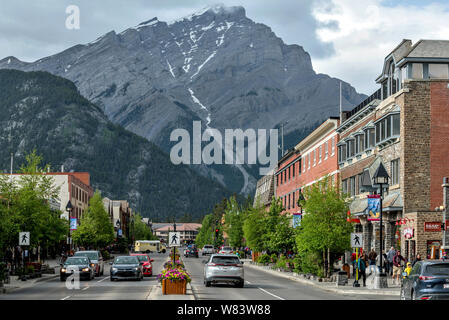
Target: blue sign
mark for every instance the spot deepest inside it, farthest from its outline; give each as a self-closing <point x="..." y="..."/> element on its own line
<point x="73" y="223"/>
<point x="297" y="219"/>
<point x="120" y="232"/>
<point x="374" y="208"/>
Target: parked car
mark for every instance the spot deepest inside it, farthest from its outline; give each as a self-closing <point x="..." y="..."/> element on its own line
<point x="226" y="250"/>
<point x="191" y="251"/>
<point x="96" y="258"/>
<point x="147" y="266"/>
<point x="429" y="279"/>
<point x="223" y="268"/>
<point x="126" y="267"/>
<point x="207" y="249"/>
<point x="83" y="264"/>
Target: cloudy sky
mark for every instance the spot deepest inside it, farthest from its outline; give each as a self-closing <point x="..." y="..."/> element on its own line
<point x="347" y="39"/>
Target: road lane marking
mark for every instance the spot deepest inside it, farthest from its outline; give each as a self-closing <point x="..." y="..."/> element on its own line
<point x="248" y="282"/>
<point x="85" y="288"/>
<point x="102" y="279"/>
<point x="65" y="298"/>
<point x="271" y="294"/>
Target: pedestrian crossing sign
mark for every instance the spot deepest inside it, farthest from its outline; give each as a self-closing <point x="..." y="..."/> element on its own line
<point x="356" y="240"/>
<point x="24" y="238"/>
<point x="174" y="239"/>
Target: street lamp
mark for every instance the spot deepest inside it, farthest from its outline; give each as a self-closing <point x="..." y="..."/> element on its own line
<point x="69" y="209"/>
<point x="380" y="178"/>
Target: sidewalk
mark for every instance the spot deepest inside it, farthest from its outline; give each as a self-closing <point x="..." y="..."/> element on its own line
<point x="332" y="286"/>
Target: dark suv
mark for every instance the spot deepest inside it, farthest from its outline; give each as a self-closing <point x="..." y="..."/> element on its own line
<point x="428" y="279"/>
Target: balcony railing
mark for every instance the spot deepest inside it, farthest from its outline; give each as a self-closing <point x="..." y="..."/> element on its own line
<point x="376" y="95"/>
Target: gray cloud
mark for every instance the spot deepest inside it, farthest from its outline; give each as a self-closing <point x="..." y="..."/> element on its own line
<point x="32" y="30"/>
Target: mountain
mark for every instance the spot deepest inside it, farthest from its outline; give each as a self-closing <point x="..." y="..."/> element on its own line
<point x="216" y="65"/>
<point x="45" y="112"/>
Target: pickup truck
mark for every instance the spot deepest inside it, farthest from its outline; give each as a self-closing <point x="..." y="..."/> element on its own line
<point x="207" y="249"/>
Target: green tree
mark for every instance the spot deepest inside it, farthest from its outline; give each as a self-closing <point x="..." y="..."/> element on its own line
<point x="324" y="229"/>
<point x="24" y="206"/>
<point x="140" y="230"/>
<point x="234" y="218"/>
<point x="253" y="227"/>
<point x="95" y="227"/>
<point x="205" y="233"/>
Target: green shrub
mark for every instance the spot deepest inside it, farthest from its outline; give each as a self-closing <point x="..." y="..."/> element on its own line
<point x="282" y="262"/>
<point x="274" y="258"/>
<point x="264" y="259"/>
<point x="297" y="264"/>
<point x="29" y="270"/>
<point x="311" y="262"/>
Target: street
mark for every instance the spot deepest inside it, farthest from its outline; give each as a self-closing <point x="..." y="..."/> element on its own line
<point x="259" y="285"/>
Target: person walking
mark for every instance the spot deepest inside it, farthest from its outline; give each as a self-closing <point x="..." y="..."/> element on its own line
<point x="372" y="261"/>
<point x="385" y="263"/>
<point x="390" y="255"/>
<point x="397" y="267"/>
<point x="361" y="264"/>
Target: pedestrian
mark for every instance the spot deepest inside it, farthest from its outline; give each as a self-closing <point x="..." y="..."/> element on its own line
<point x="390" y="255"/>
<point x="409" y="268"/>
<point x="372" y="261"/>
<point x="418" y="258"/>
<point x="361" y="264"/>
<point x="397" y="266"/>
<point x="385" y="262"/>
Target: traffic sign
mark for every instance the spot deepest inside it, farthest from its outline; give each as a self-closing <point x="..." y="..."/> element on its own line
<point x="174" y="239"/>
<point x="356" y="240"/>
<point x="24" y="238"/>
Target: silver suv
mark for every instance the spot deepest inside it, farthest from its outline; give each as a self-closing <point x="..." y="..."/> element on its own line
<point x="207" y="249"/>
<point x="223" y="268"/>
<point x="96" y="258"/>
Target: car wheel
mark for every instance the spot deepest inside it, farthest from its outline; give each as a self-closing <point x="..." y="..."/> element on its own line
<point x="240" y="284"/>
<point x="207" y="283"/>
<point x="112" y="279"/>
<point x="413" y="295"/>
<point x="62" y="279"/>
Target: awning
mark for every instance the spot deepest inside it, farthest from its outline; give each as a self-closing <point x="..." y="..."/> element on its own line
<point x="358" y="207"/>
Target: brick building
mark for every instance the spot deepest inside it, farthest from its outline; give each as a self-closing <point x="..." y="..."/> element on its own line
<point x="403" y="127"/>
<point x="265" y="190"/>
<point x="311" y="159"/>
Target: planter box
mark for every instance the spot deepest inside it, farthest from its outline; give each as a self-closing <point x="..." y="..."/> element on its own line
<point x="174" y="287"/>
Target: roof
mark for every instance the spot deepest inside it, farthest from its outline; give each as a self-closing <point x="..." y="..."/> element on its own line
<point x="430" y="49"/>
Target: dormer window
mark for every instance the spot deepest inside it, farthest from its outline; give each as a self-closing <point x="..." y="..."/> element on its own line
<point x="387" y="128"/>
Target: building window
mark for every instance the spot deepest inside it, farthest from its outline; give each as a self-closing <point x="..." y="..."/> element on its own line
<point x="289" y="201"/>
<point x="350" y="149"/>
<point x="326" y="151"/>
<point x="293" y="173"/>
<point x="342" y="153"/>
<point x="395" y="172"/>
<point x="359" y="143"/>
<point x="344" y="186"/>
<point x="438" y="71"/>
<point x="294" y="204"/>
<point x="387" y="128"/>
<point x="359" y="183"/>
<point x="333" y="146"/>
<point x="288" y="173"/>
<point x="320" y="153"/>
<point x="352" y="185"/>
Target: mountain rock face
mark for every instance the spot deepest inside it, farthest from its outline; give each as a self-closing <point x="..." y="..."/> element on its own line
<point x="217" y="66"/>
<point x="45" y="112"/>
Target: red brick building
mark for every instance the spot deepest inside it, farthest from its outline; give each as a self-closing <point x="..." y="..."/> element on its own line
<point x="311" y="159"/>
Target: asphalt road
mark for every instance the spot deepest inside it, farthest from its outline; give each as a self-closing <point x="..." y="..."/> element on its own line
<point x="100" y="288"/>
<point x="260" y="285"/>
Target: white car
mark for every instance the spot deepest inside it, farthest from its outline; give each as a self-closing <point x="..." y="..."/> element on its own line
<point x="226" y="250"/>
<point x="207" y="249"/>
<point x="223" y="268"/>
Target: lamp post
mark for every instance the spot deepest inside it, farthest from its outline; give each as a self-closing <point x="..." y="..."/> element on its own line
<point x="69" y="209"/>
<point x="380" y="178"/>
<point x="174" y="248"/>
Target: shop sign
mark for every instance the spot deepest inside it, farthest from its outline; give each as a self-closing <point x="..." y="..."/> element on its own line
<point x="432" y="226"/>
<point x="408" y="233"/>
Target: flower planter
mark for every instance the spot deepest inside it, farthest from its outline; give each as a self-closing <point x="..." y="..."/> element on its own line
<point x="174" y="287"/>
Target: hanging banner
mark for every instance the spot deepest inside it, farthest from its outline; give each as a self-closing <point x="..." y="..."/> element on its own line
<point x="374" y="207"/>
<point x="297" y="219"/>
<point x="73" y="223"/>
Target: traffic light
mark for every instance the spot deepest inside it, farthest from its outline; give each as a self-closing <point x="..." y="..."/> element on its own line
<point x="216" y="233"/>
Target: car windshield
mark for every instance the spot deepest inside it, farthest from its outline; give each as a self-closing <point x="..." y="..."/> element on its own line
<point x="227" y="248"/>
<point x="126" y="260"/>
<point x="142" y="258"/>
<point x="225" y="260"/>
<point x="76" y="261"/>
<point x="90" y="255"/>
<point x="208" y="247"/>
<point x="438" y="269"/>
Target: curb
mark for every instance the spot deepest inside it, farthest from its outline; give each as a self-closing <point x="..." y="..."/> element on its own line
<point x="44" y="279"/>
<point x="312" y="283"/>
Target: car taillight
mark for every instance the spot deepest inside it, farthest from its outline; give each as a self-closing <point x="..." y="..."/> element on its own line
<point x="426" y="278"/>
<point x="425" y="298"/>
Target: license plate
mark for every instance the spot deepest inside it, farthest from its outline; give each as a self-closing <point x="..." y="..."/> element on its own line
<point x="446" y="286"/>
